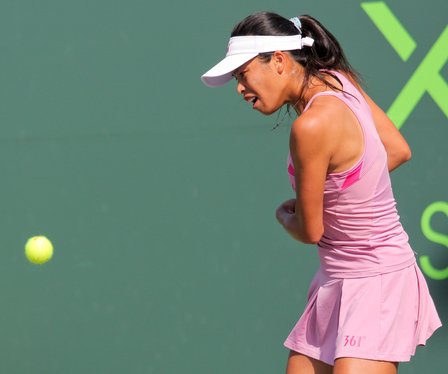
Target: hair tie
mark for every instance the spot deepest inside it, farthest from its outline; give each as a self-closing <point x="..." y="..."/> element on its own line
<point x="297" y="23"/>
<point x="306" y="41"/>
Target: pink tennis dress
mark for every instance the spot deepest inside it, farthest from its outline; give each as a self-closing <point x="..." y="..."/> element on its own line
<point x="368" y="299"/>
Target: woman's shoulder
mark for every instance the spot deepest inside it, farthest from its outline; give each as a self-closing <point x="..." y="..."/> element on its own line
<point x="319" y="119"/>
<point x="323" y="122"/>
<point x="324" y="108"/>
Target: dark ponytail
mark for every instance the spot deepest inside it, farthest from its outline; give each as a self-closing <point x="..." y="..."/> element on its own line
<point x="325" y="54"/>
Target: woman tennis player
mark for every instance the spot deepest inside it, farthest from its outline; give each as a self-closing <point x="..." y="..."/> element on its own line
<point x="368" y="304"/>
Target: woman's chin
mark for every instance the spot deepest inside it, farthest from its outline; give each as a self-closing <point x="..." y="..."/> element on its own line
<point x="267" y="111"/>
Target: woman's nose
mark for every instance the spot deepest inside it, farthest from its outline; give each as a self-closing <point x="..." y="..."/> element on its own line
<point x="239" y="87"/>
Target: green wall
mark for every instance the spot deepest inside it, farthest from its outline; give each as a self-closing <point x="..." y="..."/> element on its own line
<point x="159" y="193"/>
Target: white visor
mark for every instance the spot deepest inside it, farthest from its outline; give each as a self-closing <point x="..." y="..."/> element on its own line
<point x="241" y="49"/>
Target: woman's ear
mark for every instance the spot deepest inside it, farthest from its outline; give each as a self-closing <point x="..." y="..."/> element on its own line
<point x="279" y="61"/>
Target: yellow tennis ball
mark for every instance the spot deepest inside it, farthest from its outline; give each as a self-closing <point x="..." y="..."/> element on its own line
<point x="38" y="249"/>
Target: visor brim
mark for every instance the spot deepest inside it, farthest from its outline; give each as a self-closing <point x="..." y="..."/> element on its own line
<point x="221" y="73"/>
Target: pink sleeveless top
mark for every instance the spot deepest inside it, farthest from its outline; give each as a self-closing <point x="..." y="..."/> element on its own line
<point x="362" y="232"/>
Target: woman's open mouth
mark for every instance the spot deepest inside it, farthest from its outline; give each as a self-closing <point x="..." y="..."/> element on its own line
<point x="252" y="99"/>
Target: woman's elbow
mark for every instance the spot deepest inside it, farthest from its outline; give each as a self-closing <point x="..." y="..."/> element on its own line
<point x="313" y="239"/>
<point x="398" y="158"/>
<point x="405" y="154"/>
<point x="312" y="236"/>
<point x="408" y="155"/>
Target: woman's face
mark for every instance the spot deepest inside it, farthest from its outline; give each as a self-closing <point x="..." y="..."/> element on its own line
<point x="261" y="85"/>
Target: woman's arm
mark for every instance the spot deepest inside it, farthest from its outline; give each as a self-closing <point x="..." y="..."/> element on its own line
<point x="310" y="147"/>
<point x="397" y="149"/>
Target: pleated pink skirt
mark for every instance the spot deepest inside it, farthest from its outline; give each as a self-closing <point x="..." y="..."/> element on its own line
<point x="384" y="317"/>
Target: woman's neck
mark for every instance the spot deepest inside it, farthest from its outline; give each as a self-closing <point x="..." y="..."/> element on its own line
<point x="314" y="86"/>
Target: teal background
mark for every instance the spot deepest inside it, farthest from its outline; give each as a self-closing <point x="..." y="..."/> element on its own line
<point x="159" y="193"/>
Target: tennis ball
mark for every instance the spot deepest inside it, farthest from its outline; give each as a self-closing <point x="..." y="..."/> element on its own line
<point x="38" y="249"/>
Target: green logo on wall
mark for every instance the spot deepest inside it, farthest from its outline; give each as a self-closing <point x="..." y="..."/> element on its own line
<point x="435" y="237"/>
<point x="426" y="78"/>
